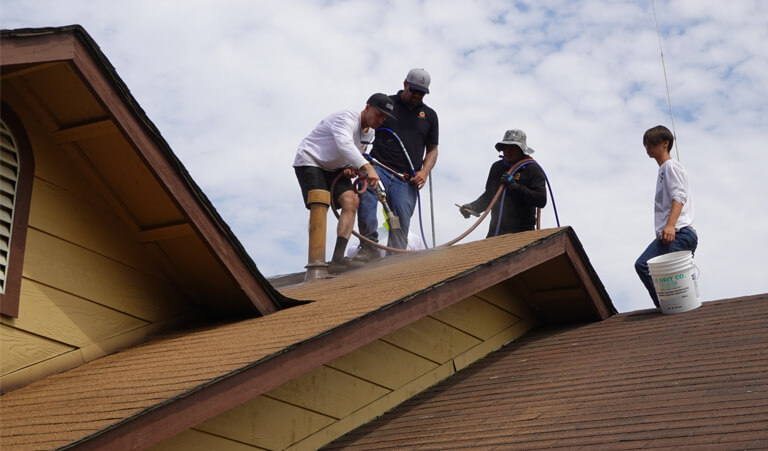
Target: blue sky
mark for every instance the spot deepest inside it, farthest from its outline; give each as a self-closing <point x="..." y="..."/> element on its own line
<point x="234" y="86"/>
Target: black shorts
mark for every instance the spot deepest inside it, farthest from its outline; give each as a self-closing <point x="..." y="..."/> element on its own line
<point x="311" y="177"/>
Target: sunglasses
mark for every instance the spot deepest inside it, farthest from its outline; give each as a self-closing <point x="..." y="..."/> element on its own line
<point x="417" y="92"/>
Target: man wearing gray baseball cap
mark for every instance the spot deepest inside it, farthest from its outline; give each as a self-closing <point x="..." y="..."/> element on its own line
<point x="406" y="144"/>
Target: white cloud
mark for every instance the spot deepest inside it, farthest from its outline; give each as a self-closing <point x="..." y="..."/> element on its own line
<point x="233" y="86"/>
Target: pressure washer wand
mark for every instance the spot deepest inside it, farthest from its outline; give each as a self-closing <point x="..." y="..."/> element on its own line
<point x="394" y="221"/>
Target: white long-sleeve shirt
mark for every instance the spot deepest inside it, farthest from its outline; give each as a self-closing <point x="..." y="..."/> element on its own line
<point x="672" y="184"/>
<point x="335" y="143"/>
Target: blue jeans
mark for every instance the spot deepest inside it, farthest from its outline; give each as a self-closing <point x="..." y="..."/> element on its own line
<point x="685" y="240"/>
<point x="401" y="197"/>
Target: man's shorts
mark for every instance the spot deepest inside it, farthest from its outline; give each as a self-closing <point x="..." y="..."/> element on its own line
<point x="311" y="177"/>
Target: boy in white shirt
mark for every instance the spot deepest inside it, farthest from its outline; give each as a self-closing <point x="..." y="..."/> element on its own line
<point x="673" y="212"/>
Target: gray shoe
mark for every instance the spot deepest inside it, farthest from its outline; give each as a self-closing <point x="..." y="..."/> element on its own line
<point x="367" y="253"/>
<point x="338" y="267"/>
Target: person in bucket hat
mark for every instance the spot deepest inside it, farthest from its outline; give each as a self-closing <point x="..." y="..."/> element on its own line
<point x="515" y="138"/>
<point x="524" y="190"/>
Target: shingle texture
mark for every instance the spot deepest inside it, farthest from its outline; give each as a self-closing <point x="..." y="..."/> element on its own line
<point x="69" y="406"/>
<point x="693" y="380"/>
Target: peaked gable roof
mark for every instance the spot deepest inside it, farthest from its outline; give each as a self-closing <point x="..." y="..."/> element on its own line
<point x="83" y="76"/>
<point x="637" y="380"/>
<point x="150" y="392"/>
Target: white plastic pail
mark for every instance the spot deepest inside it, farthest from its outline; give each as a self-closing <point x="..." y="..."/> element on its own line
<point x="674" y="277"/>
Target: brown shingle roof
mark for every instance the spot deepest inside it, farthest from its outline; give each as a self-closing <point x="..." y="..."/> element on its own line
<point x="695" y="380"/>
<point x="205" y="372"/>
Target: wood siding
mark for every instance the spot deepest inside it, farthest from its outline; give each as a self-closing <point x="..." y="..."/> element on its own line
<point x="89" y="286"/>
<point x="325" y="403"/>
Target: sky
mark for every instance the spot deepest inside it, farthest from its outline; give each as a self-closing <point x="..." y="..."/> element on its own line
<point x="233" y="86"/>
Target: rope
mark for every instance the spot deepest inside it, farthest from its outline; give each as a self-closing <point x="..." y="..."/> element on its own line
<point x="666" y="81"/>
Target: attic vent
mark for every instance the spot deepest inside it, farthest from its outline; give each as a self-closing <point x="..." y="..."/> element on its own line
<point x="9" y="175"/>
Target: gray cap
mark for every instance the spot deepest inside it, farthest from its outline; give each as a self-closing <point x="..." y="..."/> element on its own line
<point x="419" y="79"/>
<point x="515" y="137"/>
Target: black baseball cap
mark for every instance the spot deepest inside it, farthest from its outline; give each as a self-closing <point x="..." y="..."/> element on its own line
<point x="383" y="103"/>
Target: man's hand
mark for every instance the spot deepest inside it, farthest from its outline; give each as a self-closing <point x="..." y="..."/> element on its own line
<point x="371" y="176"/>
<point x="668" y="234"/>
<point x="349" y="173"/>
<point x="509" y="181"/>
<point x="419" y="179"/>
<point x="466" y="210"/>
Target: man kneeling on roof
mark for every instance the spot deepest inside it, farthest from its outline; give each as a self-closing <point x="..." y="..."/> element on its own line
<point x="335" y="146"/>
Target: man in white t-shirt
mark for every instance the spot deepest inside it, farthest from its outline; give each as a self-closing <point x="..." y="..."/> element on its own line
<point x="335" y="146"/>
<point x="673" y="206"/>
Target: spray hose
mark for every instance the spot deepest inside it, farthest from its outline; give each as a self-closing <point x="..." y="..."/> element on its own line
<point x="413" y="174"/>
<point x="520" y="165"/>
<point x="511" y="170"/>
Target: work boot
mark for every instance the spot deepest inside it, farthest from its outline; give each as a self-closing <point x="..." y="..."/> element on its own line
<point x="345" y="264"/>
<point x="367" y="253"/>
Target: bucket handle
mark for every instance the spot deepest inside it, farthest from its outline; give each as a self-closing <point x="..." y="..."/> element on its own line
<point x="697" y="273"/>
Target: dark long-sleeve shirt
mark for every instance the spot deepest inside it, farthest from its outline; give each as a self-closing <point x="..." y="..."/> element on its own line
<point x="519" y="205"/>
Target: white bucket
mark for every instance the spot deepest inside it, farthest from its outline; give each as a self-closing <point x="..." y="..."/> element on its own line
<point x="674" y="277"/>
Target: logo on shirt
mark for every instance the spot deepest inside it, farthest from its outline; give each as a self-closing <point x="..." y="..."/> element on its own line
<point x="422" y="114"/>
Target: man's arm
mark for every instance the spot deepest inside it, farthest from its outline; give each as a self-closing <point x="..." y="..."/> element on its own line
<point x="430" y="159"/>
<point x="668" y="233"/>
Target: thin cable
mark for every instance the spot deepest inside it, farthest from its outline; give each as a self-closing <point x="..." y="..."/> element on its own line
<point x="666" y="81"/>
<point x="432" y="210"/>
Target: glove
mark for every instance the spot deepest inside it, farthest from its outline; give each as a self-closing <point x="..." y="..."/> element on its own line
<point x="509" y="181"/>
<point x="467" y="211"/>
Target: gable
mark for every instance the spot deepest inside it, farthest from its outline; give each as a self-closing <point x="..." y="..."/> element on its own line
<point x="120" y="242"/>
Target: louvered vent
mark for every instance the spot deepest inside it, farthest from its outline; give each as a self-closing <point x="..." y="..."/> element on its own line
<point x="9" y="172"/>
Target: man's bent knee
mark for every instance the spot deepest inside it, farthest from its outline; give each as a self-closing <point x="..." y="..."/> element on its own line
<point x="349" y="200"/>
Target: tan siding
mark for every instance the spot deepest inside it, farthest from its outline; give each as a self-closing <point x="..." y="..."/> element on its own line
<point x="373" y="410"/>
<point x="505" y="296"/>
<point x="52" y="261"/>
<point x="328" y="391"/>
<point x="193" y="440"/>
<point x="266" y="422"/>
<point x="432" y="340"/>
<point x="383" y="364"/>
<point x="476" y="317"/>
<point x="60" y="213"/>
<point x="19" y="349"/>
<point x="51" y="313"/>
